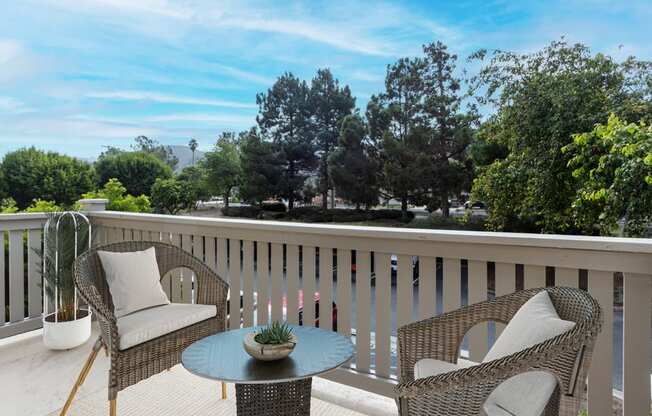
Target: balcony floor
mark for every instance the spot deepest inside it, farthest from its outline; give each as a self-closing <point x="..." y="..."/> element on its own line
<point x="35" y="381"/>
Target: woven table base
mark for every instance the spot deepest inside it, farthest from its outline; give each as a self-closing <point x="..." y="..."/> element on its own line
<point x="279" y="399"/>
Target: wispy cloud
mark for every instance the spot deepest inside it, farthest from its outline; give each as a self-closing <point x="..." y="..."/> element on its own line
<point x="167" y="99"/>
<point x="11" y="105"/>
<point x="231" y="120"/>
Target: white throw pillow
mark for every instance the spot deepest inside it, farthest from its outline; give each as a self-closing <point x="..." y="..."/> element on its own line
<point x="134" y="280"/>
<point x="535" y="322"/>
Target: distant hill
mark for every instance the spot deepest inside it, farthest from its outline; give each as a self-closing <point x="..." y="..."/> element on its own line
<point x="184" y="155"/>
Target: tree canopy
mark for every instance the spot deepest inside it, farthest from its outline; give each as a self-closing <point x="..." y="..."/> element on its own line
<point x="171" y="196"/>
<point x="223" y="166"/>
<point x="30" y="174"/>
<point x="136" y="171"/>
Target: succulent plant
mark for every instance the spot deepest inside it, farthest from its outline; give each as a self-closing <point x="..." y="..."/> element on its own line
<point x="274" y="333"/>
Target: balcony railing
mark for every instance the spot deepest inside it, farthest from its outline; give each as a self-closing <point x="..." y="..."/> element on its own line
<point x="378" y="279"/>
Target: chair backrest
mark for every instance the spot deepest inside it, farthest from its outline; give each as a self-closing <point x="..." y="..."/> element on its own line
<point x="90" y="270"/>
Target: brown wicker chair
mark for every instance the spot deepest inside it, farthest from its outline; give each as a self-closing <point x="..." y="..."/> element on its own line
<point x="463" y="392"/>
<point x="141" y="361"/>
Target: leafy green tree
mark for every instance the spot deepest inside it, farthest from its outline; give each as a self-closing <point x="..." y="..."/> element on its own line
<point x="542" y="99"/>
<point x="8" y="206"/>
<point x="613" y="167"/>
<point x="172" y="196"/>
<point x="40" y="205"/>
<point x="285" y="116"/>
<point x="163" y="153"/>
<point x="30" y="174"/>
<point x="137" y="171"/>
<point x="353" y="172"/>
<point x="329" y="104"/>
<point x="222" y="166"/>
<point x="195" y="177"/>
<point x="262" y="168"/>
<point x="118" y="198"/>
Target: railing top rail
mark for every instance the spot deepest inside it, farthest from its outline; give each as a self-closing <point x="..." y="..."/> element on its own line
<point x="571" y="242"/>
<point x="23" y="216"/>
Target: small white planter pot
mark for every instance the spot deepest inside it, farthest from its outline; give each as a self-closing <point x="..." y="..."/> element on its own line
<point x="268" y="352"/>
<point x="64" y="335"/>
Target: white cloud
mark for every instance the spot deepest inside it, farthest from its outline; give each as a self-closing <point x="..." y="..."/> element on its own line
<point x="11" y="105"/>
<point x="168" y="99"/>
<point x="242" y="74"/>
<point x="231" y="120"/>
<point x="16" y="62"/>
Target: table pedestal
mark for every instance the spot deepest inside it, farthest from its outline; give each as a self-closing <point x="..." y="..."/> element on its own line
<point x="290" y="398"/>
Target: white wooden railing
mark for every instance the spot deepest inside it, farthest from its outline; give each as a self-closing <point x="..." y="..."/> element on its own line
<point x="20" y="278"/>
<point x="354" y="267"/>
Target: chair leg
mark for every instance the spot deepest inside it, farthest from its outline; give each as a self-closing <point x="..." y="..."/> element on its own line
<point x="223" y="391"/>
<point x="112" y="407"/>
<point x="82" y="376"/>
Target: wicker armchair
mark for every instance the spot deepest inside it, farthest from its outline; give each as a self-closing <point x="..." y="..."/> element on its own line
<point x="131" y="365"/>
<point x="463" y="392"/>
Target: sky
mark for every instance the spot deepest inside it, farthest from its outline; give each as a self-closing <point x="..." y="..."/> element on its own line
<point x="79" y="75"/>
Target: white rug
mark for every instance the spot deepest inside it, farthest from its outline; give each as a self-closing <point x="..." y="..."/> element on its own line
<point x="178" y="393"/>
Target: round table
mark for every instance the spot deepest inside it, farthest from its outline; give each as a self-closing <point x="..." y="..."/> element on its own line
<point x="269" y="387"/>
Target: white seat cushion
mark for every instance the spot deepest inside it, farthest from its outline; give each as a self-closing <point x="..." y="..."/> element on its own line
<point x="529" y="392"/>
<point x="134" y="280"/>
<point x="147" y="324"/>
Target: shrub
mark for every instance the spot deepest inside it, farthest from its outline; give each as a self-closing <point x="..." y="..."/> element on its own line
<point x="242" y="212"/>
<point x="273" y="206"/>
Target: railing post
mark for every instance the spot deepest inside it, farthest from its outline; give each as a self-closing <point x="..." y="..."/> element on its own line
<point x="93" y="205"/>
<point x="636" y="345"/>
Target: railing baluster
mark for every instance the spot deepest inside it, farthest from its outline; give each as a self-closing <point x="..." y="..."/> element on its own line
<point x="176" y="275"/>
<point x="186" y="275"/>
<point x="292" y="264"/>
<point x="535" y="276"/>
<point x="566" y="277"/>
<point x="363" y="301"/>
<point x="308" y="285"/>
<point x="34" y="292"/>
<point x="262" y="282"/>
<point x="505" y="284"/>
<point x="427" y="283"/>
<point x="404" y="290"/>
<point x="452" y="282"/>
<point x="234" y="283"/>
<point x="3" y="317"/>
<point x="325" y="288"/>
<point x="477" y="278"/>
<point x="16" y="276"/>
<point x="248" y="282"/>
<point x="222" y="268"/>
<point x="277" y="282"/>
<point x="383" y="314"/>
<point x="166" y="281"/>
<point x="344" y="291"/>
<point x="636" y="344"/>
<point x="600" y="401"/>
<point x="209" y="248"/>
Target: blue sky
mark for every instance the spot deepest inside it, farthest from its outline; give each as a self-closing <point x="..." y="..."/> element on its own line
<point x="78" y="75"/>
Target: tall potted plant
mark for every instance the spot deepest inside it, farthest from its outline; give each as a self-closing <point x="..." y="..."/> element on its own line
<point x="65" y="323"/>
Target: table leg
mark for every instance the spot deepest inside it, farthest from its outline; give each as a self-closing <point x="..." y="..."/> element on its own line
<point x="280" y="399"/>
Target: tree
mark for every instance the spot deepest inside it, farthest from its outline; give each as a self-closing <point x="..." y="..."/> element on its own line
<point x="30" y="174"/>
<point x="118" y="198"/>
<point x="195" y="177"/>
<point x="613" y="167"/>
<point x="542" y="100"/>
<point x="329" y="104"/>
<point x="353" y="172"/>
<point x="450" y="131"/>
<point x="172" y="196"/>
<point x="151" y="146"/>
<point x="137" y="171"/>
<point x="396" y="129"/>
<point x="284" y="115"/>
<point x="222" y="165"/>
<point x="262" y="168"/>
<point x="192" y="144"/>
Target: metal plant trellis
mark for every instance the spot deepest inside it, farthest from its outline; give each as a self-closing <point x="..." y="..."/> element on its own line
<point x="58" y="284"/>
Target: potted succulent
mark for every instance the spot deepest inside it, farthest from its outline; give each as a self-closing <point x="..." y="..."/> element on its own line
<point x="272" y="342"/>
<point x="65" y="323"/>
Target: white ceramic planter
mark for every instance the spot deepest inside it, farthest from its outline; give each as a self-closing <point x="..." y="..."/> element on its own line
<point x="267" y="352"/>
<point x="64" y="335"/>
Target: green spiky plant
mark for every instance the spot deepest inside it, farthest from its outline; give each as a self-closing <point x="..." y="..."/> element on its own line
<point x="274" y="334"/>
<point x="58" y="274"/>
